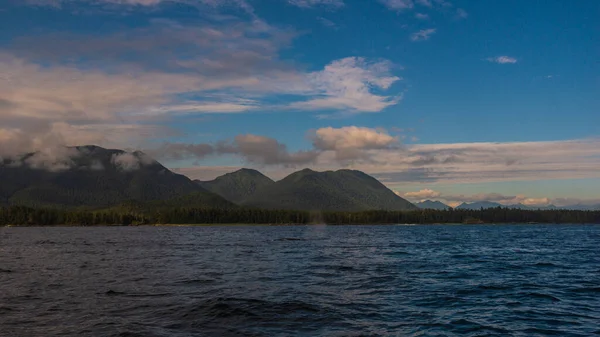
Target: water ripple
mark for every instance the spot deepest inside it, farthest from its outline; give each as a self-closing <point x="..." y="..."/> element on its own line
<point x="301" y="281"/>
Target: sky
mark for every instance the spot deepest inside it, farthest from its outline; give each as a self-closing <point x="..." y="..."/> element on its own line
<point x="457" y="100"/>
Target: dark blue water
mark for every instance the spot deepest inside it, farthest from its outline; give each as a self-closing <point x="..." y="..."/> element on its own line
<point x="519" y="280"/>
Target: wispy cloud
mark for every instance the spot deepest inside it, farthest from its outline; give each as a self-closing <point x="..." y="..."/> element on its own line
<point x="398" y="5"/>
<point x="313" y="3"/>
<point x="422" y="35"/>
<point x="347" y="84"/>
<point x="502" y="59"/>
<point x="461" y="13"/>
<point x="327" y="23"/>
<point x="262" y="150"/>
<point x="422" y="16"/>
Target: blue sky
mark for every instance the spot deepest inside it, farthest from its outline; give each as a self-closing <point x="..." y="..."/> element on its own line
<point x="454" y="100"/>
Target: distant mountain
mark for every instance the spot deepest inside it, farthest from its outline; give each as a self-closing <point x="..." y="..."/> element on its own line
<point x="94" y="177"/>
<point x="581" y="207"/>
<point x="342" y="190"/>
<point x="479" y="205"/>
<point x="238" y="186"/>
<point x="531" y="208"/>
<point x="488" y="204"/>
<point x="429" y="204"/>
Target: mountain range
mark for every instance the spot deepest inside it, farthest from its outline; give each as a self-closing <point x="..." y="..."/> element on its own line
<point x="429" y="204"/>
<point x="95" y="177"/>
<point x="342" y="190"/>
<point x="92" y="176"/>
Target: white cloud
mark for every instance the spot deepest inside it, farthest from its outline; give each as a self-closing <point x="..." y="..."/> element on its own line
<point x="502" y="59"/>
<point x="422" y="16"/>
<point x="130" y="161"/>
<point x="347" y="84"/>
<point x="352" y="137"/>
<point x="423" y="34"/>
<point x="350" y="143"/>
<point x="422" y="194"/>
<point x="125" y="161"/>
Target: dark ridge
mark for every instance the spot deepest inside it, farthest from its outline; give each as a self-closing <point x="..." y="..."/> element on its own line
<point x="94" y="177"/>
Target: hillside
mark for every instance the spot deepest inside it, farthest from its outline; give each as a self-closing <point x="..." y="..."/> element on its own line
<point x="479" y="205"/>
<point x="429" y="204"/>
<point x="91" y="176"/>
<point x="343" y="190"/>
<point x="238" y="186"/>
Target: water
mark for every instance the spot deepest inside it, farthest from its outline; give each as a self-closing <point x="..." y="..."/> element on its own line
<point x="519" y="280"/>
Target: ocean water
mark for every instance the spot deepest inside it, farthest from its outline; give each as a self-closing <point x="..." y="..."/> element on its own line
<point x="479" y="280"/>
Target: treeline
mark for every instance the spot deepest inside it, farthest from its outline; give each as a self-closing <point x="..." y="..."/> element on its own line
<point x="26" y="216"/>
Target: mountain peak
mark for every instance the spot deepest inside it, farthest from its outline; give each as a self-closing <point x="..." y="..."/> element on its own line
<point x="237" y="186"/>
<point x="248" y="171"/>
<point x="432" y="204"/>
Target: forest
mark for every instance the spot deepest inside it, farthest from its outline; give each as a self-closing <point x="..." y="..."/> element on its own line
<point x="27" y="216"/>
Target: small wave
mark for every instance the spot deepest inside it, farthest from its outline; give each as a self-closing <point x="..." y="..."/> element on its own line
<point x="545" y="332"/>
<point x="291" y="239"/>
<point x="466" y="326"/>
<point x="398" y="253"/>
<point x="4" y="310"/>
<point x="5" y="271"/>
<point x="131" y="334"/>
<point x="546" y="264"/>
<point x="493" y="287"/>
<point x="45" y="242"/>
<point x="344" y="268"/>
<point x="587" y="290"/>
<point x="244" y="311"/>
<point x="197" y="281"/>
<point x="113" y="293"/>
<point x="541" y="296"/>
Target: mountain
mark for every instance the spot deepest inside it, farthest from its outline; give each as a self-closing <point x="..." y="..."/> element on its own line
<point x="95" y="177"/>
<point x="532" y="208"/>
<point x="479" y="205"/>
<point x="429" y="204"/>
<point x="237" y="186"/>
<point x="342" y="190"/>
<point x="581" y="207"/>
